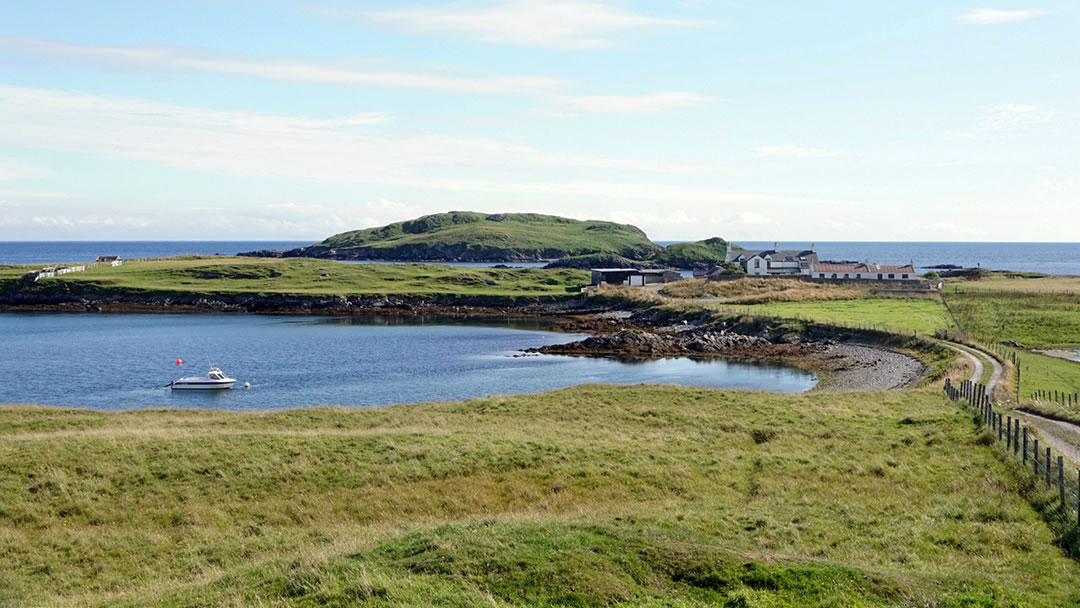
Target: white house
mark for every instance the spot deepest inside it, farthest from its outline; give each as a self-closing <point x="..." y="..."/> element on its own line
<point x="773" y="262"/>
<point x="862" y="271"/>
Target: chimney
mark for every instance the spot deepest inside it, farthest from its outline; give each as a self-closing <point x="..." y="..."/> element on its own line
<point x="776" y="246"/>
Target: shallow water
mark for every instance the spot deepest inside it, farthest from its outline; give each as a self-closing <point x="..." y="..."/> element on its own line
<point x="123" y="361"/>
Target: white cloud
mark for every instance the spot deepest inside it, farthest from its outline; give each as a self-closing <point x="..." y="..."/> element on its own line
<point x="158" y="58"/>
<point x="676" y="217"/>
<point x="36" y="195"/>
<point x="990" y="16"/>
<point x="641" y="104"/>
<point x="750" y="218"/>
<point x="537" y="23"/>
<point x="267" y="145"/>
<point x="7" y="171"/>
<point x="838" y="224"/>
<point x="789" y="151"/>
<point x="246" y="143"/>
<point x="1010" y="116"/>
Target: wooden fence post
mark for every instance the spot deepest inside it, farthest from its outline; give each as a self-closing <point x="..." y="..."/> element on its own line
<point x="1048" y="467"/>
<point x="1025" y="445"/>
<point x="1016" y="437"/>
<point x="1035" y="458"/>
<point x="1061" y="480"/>
<point x="1008" y="432"/>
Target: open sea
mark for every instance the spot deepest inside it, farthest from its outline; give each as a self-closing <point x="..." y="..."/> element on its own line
<point x="1050" y="258"/>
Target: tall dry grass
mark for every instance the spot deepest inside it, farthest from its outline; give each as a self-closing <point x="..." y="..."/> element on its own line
<point x="760" y="290"/>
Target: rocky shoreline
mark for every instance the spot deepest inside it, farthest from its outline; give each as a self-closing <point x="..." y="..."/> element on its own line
<point x="831" y="352"/>
<point x="841" y="366"/>
<point x="288" y="304"/>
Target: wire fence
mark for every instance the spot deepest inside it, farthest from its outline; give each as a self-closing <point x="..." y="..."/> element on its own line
<point x="1021" y="443"/>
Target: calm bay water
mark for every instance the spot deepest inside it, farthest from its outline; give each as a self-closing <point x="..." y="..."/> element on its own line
<point x="123" y="361"/>
<point x="1051" y="258"/>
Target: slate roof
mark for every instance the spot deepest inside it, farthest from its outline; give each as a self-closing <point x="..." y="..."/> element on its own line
<point x="861" y="267"/>
<point x="776" y="255"/>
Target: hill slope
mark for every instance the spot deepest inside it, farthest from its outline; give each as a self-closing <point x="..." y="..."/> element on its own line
<point x="465" y="236"/>
<point x="709" y="252"/>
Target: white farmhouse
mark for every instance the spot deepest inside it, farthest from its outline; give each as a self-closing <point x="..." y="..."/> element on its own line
<point x="773" y="262"/>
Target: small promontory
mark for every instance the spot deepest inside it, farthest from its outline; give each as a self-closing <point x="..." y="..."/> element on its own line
<point x="466" y="236"/>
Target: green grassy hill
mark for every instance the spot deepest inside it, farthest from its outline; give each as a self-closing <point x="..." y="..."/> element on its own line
<point x="591" y="496"/>
<point x="699" y="253"/>
<point x="481" y="237"/>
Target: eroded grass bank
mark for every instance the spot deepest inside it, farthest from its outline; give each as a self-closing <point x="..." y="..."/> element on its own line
<point x="590" y="496"/>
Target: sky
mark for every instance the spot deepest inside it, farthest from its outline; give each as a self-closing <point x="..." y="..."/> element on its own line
<point x="922" y="120"/>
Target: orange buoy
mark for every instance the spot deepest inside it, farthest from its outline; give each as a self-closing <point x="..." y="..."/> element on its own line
<point x="179" y="362"/>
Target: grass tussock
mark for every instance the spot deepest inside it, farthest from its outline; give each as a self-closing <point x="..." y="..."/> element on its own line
<point x="758" y="290"/>
<point x="591" y="496"/>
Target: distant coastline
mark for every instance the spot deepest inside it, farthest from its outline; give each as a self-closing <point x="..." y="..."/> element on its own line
<point x="1049" y="258"/>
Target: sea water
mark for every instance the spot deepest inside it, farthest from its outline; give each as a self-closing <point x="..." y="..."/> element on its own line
<point x="123" y="361"/>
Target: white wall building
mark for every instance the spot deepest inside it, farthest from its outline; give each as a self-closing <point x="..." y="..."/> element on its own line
<point x="862" y="272"/>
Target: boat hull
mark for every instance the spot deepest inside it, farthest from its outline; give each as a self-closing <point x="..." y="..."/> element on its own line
<point x="202" y="386"/>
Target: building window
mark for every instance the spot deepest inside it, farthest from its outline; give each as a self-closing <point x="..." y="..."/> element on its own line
<point x="892" y="276"/>
<point x="822" y="275"/>
<point x="846" y="275"/>
<point x="757" y="263"/>
<point x="834" y="275"/>
<point x="903" y="276"/>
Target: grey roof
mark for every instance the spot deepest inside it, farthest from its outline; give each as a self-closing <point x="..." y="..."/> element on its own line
<point x="637" y="270"/>
<point x="777" y="255"/>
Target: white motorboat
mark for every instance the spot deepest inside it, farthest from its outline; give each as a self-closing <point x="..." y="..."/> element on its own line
<point x="214" y="380"/>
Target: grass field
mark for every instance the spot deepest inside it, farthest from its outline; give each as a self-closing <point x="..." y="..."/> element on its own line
<point x="591" y="496"/>
<point x="1031" y="319"/>
<point x="900" y="314"/>
<point x="1049" y="284"/>
<point x="222" y="274"/>
<point x="1039" y="372"/>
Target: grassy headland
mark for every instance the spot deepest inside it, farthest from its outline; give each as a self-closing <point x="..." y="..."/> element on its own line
<point x="218" y="275"/>
<point x="479" y="237"/>
<point x="591" y="496"/>
<point x="468" y="236"/>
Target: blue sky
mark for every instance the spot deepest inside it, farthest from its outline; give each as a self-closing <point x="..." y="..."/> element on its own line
<point x="236" y="119"/>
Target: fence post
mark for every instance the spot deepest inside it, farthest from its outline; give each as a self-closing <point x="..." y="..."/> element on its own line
<point x="1061" y="480"/>
<point x="1048" y="467"/>
<point x="1025" y="445"/>
<point x="1016" y="437"/>
<point x="1008" y="432"/>
<point x="1035" y="458"/>
<point x="999" y="430"/>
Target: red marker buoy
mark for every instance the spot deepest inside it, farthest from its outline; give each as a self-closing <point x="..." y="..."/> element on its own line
<point x="179" y="362"/>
